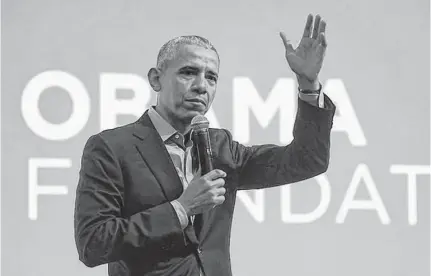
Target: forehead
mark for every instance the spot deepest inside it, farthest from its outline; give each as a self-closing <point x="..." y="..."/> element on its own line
<point x="197" y="56"/>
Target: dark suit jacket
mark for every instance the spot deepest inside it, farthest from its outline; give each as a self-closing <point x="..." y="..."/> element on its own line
<point x="123" y="214"/>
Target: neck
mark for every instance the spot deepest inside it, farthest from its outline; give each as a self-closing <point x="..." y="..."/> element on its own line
<point x="181" y="126"/>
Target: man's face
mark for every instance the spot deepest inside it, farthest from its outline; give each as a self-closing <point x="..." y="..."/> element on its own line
<point x="188" y="82"/>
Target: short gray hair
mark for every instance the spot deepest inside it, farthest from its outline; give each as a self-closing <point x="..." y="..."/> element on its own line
<point x="170" y="48"/>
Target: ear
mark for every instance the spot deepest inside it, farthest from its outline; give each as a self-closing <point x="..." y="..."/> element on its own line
<point x="154" y="79"/>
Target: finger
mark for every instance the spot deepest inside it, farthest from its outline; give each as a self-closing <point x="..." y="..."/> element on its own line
<point x="220" y="191"/>
<point x="320" y="51"/>
<point x="316" y="27"/>
<point x="322" y="40"/>
<point x="322" y="26"/>
<point x="286" y="42"/>
<point x="316" y="43"/>
<point x="218" y="183"/>
<point x="219" y="200"/>
<point x="214" y="174"/>
<point x="308" y="25"/>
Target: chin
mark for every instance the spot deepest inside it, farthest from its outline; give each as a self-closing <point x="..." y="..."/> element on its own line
<point x="192" y="113"/>
<point x="188" y="112"/>
<point x="196" y="112"/>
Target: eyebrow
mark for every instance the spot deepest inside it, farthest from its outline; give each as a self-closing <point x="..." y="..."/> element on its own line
<point x="189" y="67"/>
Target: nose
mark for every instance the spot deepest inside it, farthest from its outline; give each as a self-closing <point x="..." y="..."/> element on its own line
<point x="200" y="84"/>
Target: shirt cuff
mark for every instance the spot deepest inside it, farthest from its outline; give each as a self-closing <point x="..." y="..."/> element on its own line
<point x="315" y="99"/>
<point x="181" y="213"/>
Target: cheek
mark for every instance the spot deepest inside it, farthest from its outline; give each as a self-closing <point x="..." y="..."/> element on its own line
<point x="211" y="94"/>
<point x="179" y="89"/>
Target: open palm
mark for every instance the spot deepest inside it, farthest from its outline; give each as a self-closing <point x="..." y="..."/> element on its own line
<point x="307" y="59"/>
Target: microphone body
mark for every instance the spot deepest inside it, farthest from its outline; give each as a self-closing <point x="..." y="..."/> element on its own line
<point x="201" y="140"/>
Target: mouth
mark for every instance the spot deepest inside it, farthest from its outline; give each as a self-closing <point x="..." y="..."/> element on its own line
<point x="197" y="101"/>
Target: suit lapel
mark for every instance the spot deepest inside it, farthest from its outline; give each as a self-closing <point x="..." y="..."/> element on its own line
<point x="152" y="149"/>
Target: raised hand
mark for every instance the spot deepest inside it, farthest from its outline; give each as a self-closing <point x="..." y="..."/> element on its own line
<point x="307" y="59"/>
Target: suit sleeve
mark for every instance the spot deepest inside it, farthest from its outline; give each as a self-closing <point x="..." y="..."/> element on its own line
<point x="263" y="166"/>
<point x="102" y="233"/>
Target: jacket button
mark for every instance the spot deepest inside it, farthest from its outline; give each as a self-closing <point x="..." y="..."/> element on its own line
<point x="199" y="250"/>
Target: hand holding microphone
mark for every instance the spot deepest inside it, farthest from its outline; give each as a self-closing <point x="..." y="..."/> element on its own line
<point x="203" y="193"/>
<point x="207" y="191"/>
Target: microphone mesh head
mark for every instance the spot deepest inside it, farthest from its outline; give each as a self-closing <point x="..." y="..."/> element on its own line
<point x="200" y="122"/>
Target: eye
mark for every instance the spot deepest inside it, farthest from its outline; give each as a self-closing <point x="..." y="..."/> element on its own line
<point x="187" y="72"/>
<point x="212" y="78"/>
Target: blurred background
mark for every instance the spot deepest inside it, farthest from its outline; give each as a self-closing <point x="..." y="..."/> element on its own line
<point x="73" y="68"/>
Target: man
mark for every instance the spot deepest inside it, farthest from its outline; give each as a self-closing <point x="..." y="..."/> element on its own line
<point x="142" y="204"/>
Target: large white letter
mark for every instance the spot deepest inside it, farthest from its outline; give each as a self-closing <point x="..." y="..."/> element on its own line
<point x="80" y="105"/>
<point x="110" y="106"/>
<point x="346" y="120"/>
<point x="282" y="97"/>
<point x="362" y="173"/>
<point x="412" y="202"/>
<point x="325" y="196"/>
<point x="34" y="190"/>
<point x="257" y="209"/>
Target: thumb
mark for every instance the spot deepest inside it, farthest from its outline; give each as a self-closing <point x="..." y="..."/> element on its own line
<point x="287" y="44"/>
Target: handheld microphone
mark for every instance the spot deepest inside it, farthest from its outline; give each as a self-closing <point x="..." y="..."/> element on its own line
<point x="201" y="140"/>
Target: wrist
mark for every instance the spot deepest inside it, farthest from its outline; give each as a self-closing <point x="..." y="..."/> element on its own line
<point x="309" y="85"/>
<point x="315" y="92"/>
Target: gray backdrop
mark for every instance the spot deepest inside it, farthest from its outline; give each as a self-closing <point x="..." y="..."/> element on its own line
<point x="369" y="218"/>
